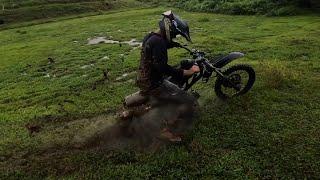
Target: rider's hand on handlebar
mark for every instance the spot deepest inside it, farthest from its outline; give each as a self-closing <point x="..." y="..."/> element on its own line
<point x="192" y="70"/>
<point x="195" y="69"/>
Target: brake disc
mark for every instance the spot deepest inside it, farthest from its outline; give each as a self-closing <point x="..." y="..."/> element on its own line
<point x="233" y="81"/>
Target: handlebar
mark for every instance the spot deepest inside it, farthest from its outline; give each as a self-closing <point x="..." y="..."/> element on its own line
<point x="178" y="45"/>
<point x="206" y="68"/>
<point x="197" y="55"/>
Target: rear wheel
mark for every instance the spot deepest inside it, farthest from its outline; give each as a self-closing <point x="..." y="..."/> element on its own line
<point x="238" y="80"/>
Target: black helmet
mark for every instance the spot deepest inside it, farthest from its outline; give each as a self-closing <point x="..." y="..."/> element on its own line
<point x="171" y="25"/>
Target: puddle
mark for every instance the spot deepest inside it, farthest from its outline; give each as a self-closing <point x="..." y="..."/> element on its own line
<point x="106" y="57"/>
<point x="49" y="76"/>
<point x="86" y="66"/>
<point x="98" y="40"/>
<point x="123" y="76"/>
<point x="133" y="42"/>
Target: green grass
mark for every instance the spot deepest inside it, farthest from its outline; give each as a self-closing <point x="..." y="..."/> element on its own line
<point x="272" y="132"/>
<point x="246" y="7"/>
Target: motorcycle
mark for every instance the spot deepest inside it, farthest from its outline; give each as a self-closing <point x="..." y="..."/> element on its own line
<point x="233" y="81"/>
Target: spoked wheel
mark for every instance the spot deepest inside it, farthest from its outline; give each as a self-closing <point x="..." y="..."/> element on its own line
<point x="238" y="80"/>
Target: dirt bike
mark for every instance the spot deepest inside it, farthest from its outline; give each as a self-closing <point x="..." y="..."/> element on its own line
<point x="232" y="81"/>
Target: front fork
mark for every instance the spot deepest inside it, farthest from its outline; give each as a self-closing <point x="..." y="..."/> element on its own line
<point x="218" y="72"/>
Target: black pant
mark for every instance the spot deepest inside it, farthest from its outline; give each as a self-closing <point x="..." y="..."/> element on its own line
<point x="168" y="92"/>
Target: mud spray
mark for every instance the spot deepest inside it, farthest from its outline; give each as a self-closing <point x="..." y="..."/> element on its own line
<point x="141" y="132"/>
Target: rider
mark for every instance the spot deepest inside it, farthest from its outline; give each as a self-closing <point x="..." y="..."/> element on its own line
<point x="154" y="64"/>
<point x="154" y="55"/>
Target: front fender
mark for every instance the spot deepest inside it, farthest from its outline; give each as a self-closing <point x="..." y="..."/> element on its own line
<point x="227" y="59"/>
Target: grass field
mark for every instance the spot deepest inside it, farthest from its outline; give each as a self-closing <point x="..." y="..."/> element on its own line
<point x="13" y="11"/>
<point x="271" y="132"/>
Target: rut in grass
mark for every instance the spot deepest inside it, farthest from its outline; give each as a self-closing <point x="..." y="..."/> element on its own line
<point x="140" y="132"/>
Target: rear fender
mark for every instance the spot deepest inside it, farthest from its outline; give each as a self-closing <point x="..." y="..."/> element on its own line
<point x="227" y="59"/>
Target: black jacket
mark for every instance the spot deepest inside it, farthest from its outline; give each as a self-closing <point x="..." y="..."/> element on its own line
<point x="155" y="51"/>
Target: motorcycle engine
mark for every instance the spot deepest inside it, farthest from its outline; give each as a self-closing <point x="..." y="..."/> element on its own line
<point x="206" y="75"/>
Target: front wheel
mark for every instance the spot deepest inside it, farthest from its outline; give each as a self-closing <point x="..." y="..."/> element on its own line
<point x="237" y="80"/>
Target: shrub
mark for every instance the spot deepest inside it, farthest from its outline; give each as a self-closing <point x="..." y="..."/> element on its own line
<point x="283" y="11"/>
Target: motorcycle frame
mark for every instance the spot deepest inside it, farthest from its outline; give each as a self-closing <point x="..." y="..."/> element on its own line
<point x="198" y="76"/>
<point x="203" y="63"/>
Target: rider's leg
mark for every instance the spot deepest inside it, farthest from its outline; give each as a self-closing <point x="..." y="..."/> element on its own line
<point x="168" y="92"/>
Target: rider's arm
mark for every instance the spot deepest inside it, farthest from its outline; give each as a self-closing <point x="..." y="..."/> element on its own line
<point x="160" y="63"/>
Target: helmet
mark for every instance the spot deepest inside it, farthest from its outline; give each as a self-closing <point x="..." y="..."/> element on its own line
<point x="171" y="25"/>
